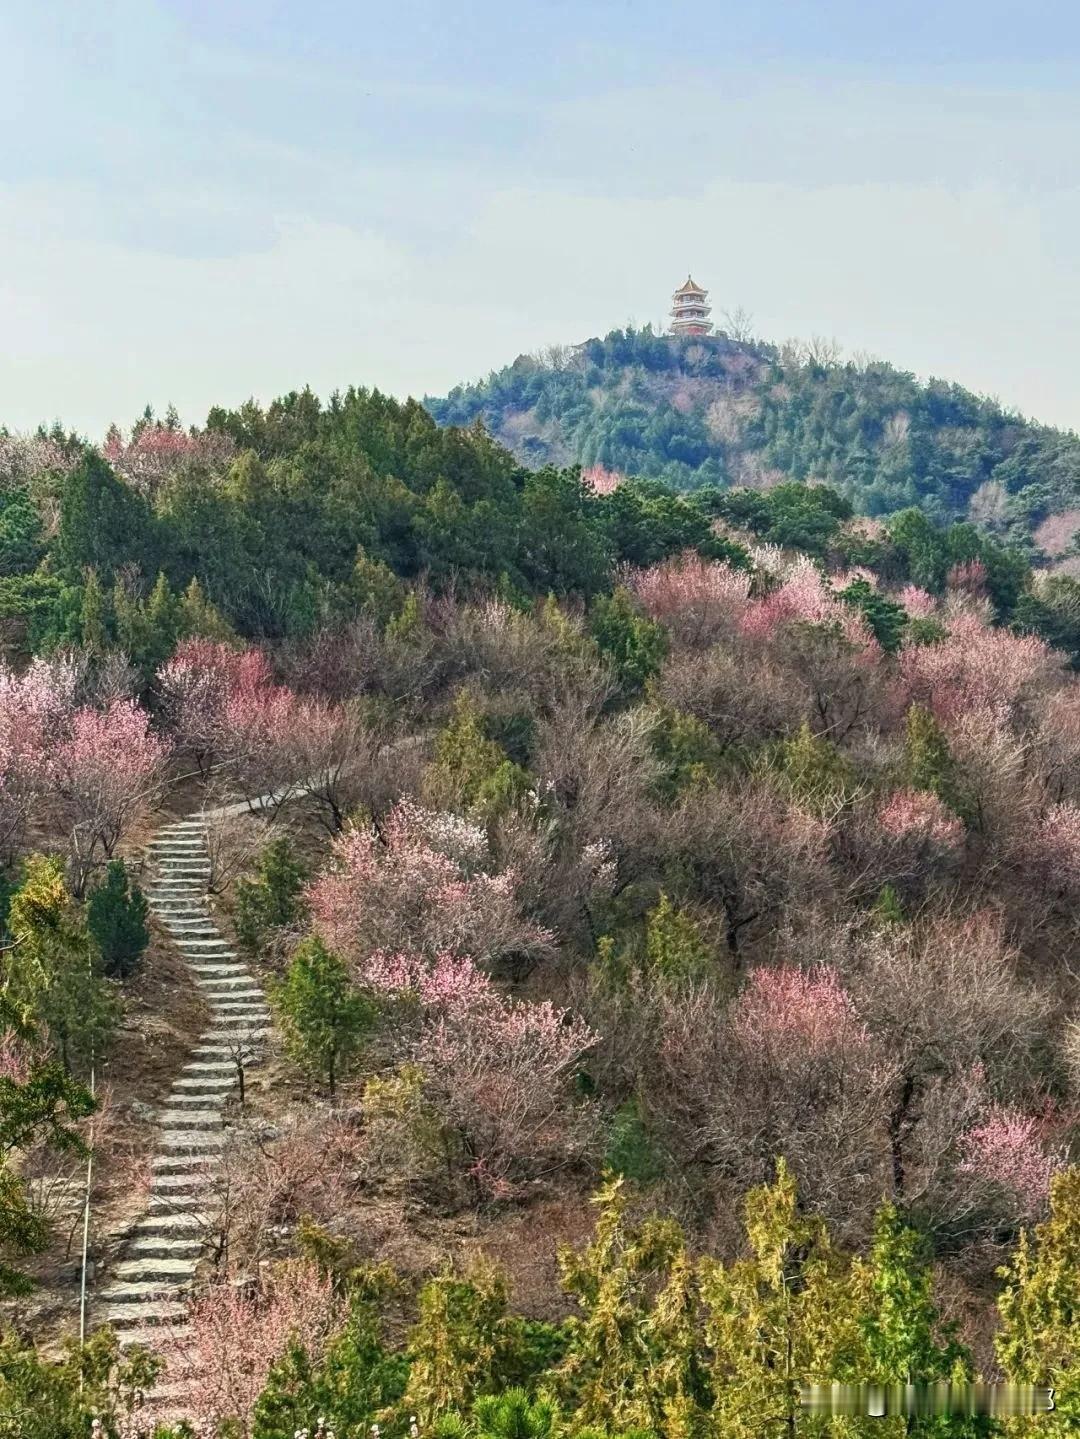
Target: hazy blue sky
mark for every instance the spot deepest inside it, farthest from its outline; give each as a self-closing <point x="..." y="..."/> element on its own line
<point x="206" y="199"/>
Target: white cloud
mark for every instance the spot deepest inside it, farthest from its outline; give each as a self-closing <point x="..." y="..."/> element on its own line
<point x="922" y="223"/>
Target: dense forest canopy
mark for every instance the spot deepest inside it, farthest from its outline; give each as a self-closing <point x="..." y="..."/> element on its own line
<point x="665" y="927"/>
<point x="713" y="410"/>
<point x="285" y="518"/>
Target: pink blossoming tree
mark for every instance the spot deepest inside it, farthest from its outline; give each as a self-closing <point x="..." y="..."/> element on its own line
<point x="421" y="882"/>
<point x="107" y="771"/>
<point x="699" y="600"/>
<point x="1007" y="1150"/>
<point x="601" y="480"/>
<point x="155" y="451"/>
<point x="788" y="1006"/>
<point x="976" y="668"/>
<point x="236" y="1333"/>
<point x="1049" y="850"/>
<point x="35" y="708"/>
<point x="908" y="840"/>
<point x="497" y="1071"/>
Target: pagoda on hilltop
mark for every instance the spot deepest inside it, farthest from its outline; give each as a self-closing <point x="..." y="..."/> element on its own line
<point x="690" y="310"/>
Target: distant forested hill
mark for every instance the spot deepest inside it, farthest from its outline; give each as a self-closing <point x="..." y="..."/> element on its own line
<point x="717" y="411"/>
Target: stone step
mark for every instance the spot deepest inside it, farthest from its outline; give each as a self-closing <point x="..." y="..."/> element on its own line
<point x="187" y="1206"/>
<point x="237" y="1031"/>
<point x="157" y="1336"/>
<point x="162" y="1227"/>
<point x="188" y="1181"/>
<point x="148" y="1270"/>
<point x="189" y="1099"/>
<point x="185" y="942"/>
<point x="166" y="1246"/>
<point x="148" y="1292"/>
<point x="197" y="1067"/>
<point x="230" y="986"/>
<point x="205" y="1084"/>
<point x="141" y="1313"/>
<point x="184" y="1099"/>
<point x="192" y="1143"/>
<point x="181" y="1164"/>
<point x="171" y="1223"/>
<point x="180" y="1121"/>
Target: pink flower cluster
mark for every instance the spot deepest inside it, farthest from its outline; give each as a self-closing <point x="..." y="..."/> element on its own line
<point x="419" y="886"/>
<point x="974" y="668"/>
<point x="24" y="457"/>
<point x="235" y="1334"/>
<point x="914" y="813"/>
<point x="155" y="451"/>
<point x="496" y="1069"/>
<point x="600" y="480"/>
<point x="695" y="595"/>
<point x="968" y="577"/>
<point x="805" y="595"/>
<point x="1007" y="1149"/>
<point x="106" y="771"/>
<point x="98" y="765"/>
<point x="919" y="604"/>
<point x="200" y="682"/>
<point x="785" y="1005"/>
<point x="449" y="982"/>
<point x="224" y="705"/>
<point x="14" y="1058"/>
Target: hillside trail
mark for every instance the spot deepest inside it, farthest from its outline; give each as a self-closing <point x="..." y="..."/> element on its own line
<point x="144" y="1300"/>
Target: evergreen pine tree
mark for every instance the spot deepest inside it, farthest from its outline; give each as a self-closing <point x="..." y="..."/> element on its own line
<point x="323" y="1016"/>
<point x="94" y="615"/>
<point x="271" y="900"/>
<point x="196" y="617"/>
<point x="116" y="915"/>
<point x="674" y="947"/>
<point x="54" y="974"/>
<point x="1039" y="1340"/>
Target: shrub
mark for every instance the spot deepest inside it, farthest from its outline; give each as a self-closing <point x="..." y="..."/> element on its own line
<point x="272" y="900"/>
<point x="324" y="1018"/>
<point x="116" y="917"/>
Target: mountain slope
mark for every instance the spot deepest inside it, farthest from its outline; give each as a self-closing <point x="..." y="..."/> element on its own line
<point x="719" y="411"/>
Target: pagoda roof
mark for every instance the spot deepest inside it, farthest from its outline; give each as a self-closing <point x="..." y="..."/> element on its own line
<point x="690" y="288"/>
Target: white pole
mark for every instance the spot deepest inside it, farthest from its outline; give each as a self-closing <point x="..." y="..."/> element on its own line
<point x="86" y="1212"/>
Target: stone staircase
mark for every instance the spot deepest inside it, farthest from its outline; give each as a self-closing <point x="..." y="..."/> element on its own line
<point x="144" y="1300"/>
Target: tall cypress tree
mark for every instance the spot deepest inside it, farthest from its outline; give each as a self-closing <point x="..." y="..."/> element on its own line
<point x="103" y="522"/>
